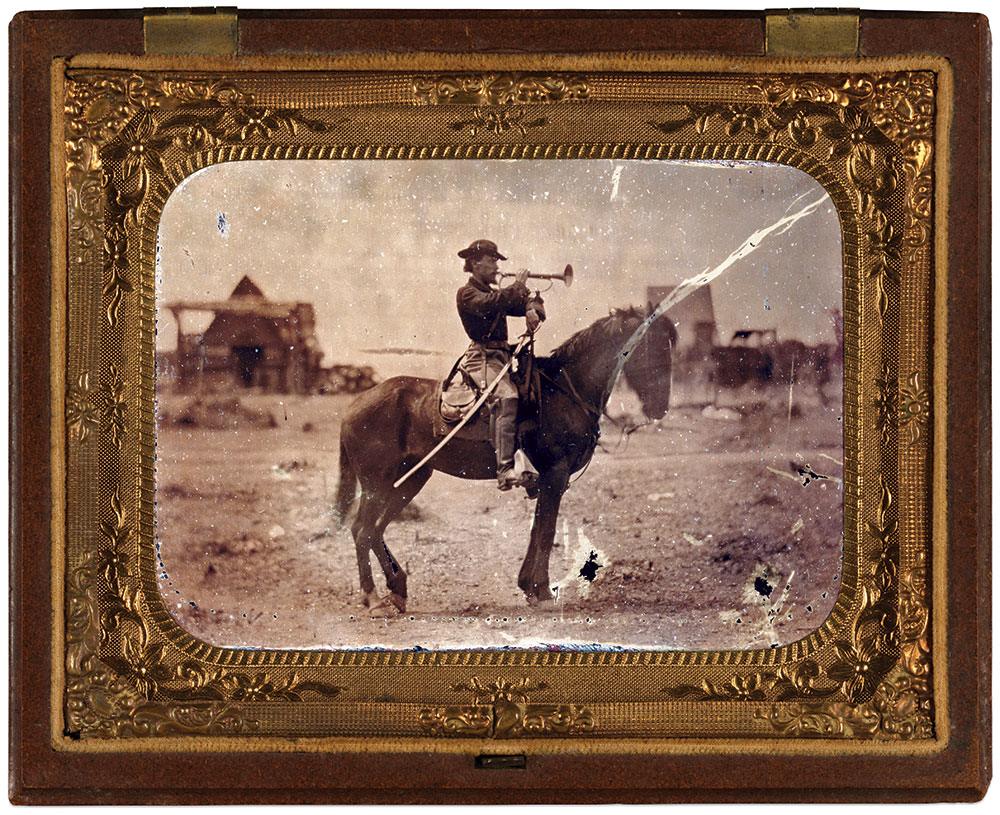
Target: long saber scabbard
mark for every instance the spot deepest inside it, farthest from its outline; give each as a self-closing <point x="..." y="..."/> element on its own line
<point x="472" y="412"/>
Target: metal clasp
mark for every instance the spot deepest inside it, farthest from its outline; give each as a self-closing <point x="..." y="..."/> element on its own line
<point x="190" y="31"/>
<point x="496" y="762"/>
<point x="812" y="33"/>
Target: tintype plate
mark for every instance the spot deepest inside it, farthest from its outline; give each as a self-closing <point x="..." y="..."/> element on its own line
<point x="760" y="424"/>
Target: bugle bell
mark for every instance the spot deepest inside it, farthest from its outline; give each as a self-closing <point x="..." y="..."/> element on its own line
<point x="566" y="276"/>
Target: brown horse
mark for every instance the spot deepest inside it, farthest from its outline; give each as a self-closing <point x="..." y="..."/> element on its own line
<point x="388" y="429"/>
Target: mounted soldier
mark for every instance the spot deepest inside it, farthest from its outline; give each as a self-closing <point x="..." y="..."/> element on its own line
<point x="483" y="308"/>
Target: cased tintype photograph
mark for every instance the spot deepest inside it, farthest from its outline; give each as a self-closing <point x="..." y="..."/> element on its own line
<point x="436" y="419"/>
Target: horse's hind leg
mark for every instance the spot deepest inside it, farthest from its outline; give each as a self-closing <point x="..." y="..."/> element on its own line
<point x="395" y="577"/>
<point x="364" y="531"/>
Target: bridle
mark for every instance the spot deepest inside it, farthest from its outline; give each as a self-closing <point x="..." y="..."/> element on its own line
<point x="626" y="429"/>
<point x="593" y="411"/>
<point x="574" y="394"/>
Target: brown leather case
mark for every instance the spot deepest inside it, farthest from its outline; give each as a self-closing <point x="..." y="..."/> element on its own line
<point x="40" y="774"/>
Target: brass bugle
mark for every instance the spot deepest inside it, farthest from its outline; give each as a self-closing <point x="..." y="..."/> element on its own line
<point x="566" y="276"/>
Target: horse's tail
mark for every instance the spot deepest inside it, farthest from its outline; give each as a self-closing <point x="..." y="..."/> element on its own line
<point x="346" y="488"/>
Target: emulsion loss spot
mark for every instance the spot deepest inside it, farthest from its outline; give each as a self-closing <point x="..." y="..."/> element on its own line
<point x="591" y="567"/>
<point x="763" y="587"/>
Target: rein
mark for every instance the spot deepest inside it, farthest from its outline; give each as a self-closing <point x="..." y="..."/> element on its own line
<point x="626" y="429"/>
<point x="574" y="394"/>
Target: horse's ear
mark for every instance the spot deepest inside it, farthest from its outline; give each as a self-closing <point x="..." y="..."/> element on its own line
<point x="671" y="330"/>
<point x="650" y="308"/>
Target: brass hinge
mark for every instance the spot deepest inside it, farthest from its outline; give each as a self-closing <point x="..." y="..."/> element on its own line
<point x="190" y="30"/>
<point x="811" y="33"/>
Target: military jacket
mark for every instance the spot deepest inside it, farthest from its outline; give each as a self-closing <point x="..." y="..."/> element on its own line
<point x="484" y="311"/>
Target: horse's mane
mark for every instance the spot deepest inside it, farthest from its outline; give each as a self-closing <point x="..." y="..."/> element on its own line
<point x="592" y="337"/>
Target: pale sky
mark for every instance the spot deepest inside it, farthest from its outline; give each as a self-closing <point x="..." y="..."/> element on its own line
<point x="373" y="244"/>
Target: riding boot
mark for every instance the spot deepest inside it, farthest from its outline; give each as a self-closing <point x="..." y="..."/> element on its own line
<point x="505" y="439"/>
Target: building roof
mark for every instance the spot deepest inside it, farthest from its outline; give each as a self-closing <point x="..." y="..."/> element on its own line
<point x="247" y="317"/>
<point x="247" y="288"/>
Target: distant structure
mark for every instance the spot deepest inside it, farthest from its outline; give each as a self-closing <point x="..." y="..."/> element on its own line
<point x="251" y="343"/>
<point x="751" y="357"/>
<point x="694" y="317"/>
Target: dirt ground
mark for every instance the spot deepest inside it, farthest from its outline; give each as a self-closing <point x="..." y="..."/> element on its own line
<point x="716" y="528"/>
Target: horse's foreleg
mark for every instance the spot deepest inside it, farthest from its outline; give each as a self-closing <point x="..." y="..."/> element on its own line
<point x="525" y="575"/>
<point x="534" y="576"/>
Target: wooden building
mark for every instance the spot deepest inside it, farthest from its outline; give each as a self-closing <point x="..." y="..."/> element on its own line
<point x="250" y="343"/>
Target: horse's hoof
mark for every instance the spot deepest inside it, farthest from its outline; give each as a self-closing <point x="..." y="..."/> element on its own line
<point x="398" y="601"/>
<point x="541" y="603"/>
<point x="370" y="599"/>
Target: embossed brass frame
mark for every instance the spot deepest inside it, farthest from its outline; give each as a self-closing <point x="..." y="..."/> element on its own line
<point x="867" y="130"/>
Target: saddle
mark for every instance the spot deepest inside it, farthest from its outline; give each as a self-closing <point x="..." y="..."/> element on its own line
<point x="458" y="392"/>
<point x="455" y="397"/>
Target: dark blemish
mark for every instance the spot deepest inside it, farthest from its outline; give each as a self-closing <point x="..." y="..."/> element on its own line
<point x="192" y="604"/>
<point x="809" y="608"/>
<point x="763" y="587"/>
<point x="589" y="570"/>
<point x="808" y="475"/>
<point x="223" y="226"/>
<point x="738" y="620"/>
